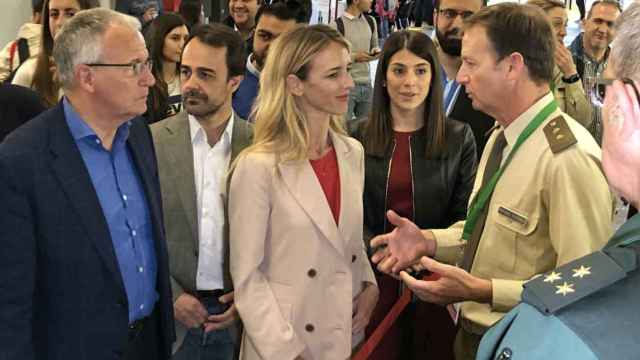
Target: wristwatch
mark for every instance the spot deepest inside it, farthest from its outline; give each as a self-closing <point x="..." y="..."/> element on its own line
<point x="571" y="79"/>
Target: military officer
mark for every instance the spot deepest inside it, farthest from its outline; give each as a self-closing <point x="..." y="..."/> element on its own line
<point x="587" y="309"/>
<point x="540" y="199"/>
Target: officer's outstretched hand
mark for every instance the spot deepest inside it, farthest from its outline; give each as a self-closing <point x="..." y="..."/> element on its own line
<point x="453" y="284"/>
<point x="402" y="247"/>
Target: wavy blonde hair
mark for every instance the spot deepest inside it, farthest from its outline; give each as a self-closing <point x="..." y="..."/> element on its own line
<point x="281" y="124"/>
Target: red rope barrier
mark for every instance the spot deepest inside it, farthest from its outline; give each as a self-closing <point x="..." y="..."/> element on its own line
<point x="374" y="340"/>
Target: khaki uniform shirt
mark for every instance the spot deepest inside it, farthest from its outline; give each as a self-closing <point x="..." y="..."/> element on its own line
<point x="546" y="210"/>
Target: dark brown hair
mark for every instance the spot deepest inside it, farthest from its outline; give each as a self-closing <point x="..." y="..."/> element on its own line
<point x="378" y="131"/>
<point x="523" y="29"/>
<point x="43" y="78"/>
<point x="221" y="36"/>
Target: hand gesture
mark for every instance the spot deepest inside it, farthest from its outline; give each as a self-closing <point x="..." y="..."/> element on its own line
<point x="564" y="60"/>
<point x="404" y="245"/>
<point x="454" y="285"/>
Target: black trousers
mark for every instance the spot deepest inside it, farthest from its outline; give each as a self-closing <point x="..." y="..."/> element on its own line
<point x="145" y="344"/>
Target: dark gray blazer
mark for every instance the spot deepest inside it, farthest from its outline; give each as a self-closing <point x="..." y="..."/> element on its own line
<point x="172" y="141"/>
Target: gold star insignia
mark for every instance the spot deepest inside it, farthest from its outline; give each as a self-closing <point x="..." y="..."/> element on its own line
<point x="551" y="278"/>
<point x="565" y="289"/>
<point x="582" y="271"/>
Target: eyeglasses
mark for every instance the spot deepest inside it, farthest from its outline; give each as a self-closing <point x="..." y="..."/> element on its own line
<point x="451" y="14"/>
<point x="136" y="66"/>
<point x="601" y="89"/>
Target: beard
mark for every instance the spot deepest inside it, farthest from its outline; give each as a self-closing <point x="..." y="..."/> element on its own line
<point x="448" y="43"/>
<point x="203" y="107"/>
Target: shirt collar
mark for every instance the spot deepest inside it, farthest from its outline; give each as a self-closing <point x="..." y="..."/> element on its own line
<point x="514" y="129"/>
<point x="350" y="16"/>
<point x="81" y="130"/>
<point x="251" y="67"/>
<point x="198" y="134"/>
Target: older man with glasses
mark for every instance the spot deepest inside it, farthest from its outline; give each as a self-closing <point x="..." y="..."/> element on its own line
<point x="84" y="263"/>
<point x="586" y="309"/>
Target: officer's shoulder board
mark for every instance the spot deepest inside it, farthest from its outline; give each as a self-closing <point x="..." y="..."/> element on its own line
<point x="559" y="135"/>
<point x="578" y="279"/>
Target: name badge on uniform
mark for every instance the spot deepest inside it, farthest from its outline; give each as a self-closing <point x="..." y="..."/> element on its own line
<point x="512" y="215"/>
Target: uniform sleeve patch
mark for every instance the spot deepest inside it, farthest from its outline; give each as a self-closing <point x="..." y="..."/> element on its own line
<point x="569" y="283"/>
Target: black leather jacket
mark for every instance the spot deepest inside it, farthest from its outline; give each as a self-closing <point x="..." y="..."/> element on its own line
<point x="441" y="186"/>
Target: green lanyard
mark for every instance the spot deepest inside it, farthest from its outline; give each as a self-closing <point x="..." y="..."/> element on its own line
<point x="481" y="200"/>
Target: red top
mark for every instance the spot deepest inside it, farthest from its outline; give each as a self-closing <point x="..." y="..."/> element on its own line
<point x="400" y="186"/>
<point x="326" y="169"/>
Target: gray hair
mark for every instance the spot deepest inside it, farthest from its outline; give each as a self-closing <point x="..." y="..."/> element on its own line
<point x="625" y="51"/>
<point x="80" y="40"/>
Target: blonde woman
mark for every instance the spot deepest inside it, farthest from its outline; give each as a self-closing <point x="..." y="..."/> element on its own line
<point x="303" y="284"/>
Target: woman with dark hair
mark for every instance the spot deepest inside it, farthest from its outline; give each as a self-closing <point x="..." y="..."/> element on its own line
<point x="165" y="39"/>
<point x="39" y="73"/>
<point x="420" y="165"/>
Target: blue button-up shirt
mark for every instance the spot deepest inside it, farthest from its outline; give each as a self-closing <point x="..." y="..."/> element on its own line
<point x="124" y="205"/>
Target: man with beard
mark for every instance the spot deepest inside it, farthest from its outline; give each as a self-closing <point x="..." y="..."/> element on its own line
<point x="194" y="149"/>
<point x="448" y="20"/>
<point x="272" y="21"/>
<point x="590" y="52"/>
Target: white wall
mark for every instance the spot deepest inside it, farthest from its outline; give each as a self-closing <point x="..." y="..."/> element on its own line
<point x="15" y="13"/>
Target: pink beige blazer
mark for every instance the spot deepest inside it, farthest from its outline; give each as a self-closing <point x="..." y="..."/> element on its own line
<point x="295" y="272"/>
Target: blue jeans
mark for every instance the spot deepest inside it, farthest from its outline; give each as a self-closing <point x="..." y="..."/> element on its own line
<point x="214" y="345"/>
<point x="359" y="103"/>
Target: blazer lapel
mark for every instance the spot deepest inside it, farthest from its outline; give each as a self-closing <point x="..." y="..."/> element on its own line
<point x="348" y="197"/>
<point x="70" y="170"/>
<point x="303" y="184"/>
<point x="180" y="154"/>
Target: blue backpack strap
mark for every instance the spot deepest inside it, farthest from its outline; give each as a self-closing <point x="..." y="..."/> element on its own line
<point x="340" y="26"/>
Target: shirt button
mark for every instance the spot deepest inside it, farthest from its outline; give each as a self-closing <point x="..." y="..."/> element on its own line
<point x="312" y="273"/>
<point x="133" y="233"/>
<point x="140" y="269"/>
<point x="97" y="141"/>
<point x="353" y="258"/>
<point x="124" y="197"/>
<point x="309" y="327"/>
<point x="142" y="307"/>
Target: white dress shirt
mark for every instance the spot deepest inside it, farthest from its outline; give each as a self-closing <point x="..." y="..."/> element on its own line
<point x="210" y="164"/>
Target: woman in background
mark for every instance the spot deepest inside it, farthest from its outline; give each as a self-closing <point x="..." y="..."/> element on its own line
<point x="420" y="165"/>
<point x="567" y="86"/>
<point x="39" y="73"/>
<point x="165" y="40"/>
<point x="304" y="287"/>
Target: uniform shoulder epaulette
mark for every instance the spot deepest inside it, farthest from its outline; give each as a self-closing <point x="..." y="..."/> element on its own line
<point x="559" y="135"/>
<point x="571" y="282"/>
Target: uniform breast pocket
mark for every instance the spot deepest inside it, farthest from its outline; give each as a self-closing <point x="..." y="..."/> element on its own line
<point x="514" y="226"/>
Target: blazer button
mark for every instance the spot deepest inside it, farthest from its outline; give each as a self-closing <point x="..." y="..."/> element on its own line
<point x="505" y="354"/>
<point x="353" y="258"/>
<point x="311" y="273"/>
<point x="309" y="328"/>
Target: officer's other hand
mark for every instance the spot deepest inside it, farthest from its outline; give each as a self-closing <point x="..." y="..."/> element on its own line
<point x="190" y="311"/>
<point x="454" y="284"/>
